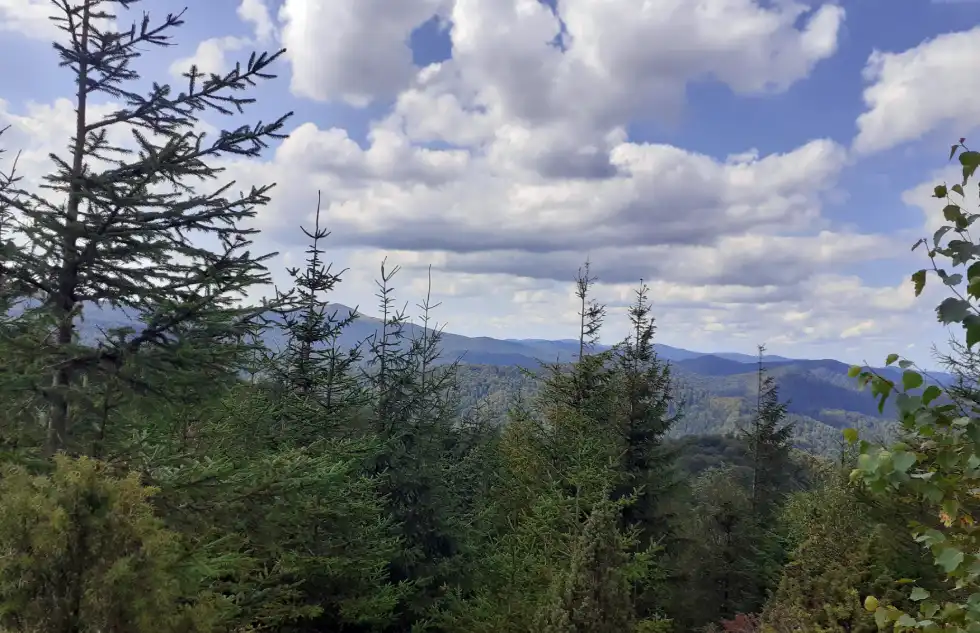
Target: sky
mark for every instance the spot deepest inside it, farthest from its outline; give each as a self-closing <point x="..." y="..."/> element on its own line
<point x="763" y="165"/>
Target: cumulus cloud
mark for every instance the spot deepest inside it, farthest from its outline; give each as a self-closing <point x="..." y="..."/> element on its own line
<point x="351" y="50"/>
<point x="394" y="195"/>
<point x="509" y="164"/>
<point x="213" y="54"/>
<point x="602" y="61"/>
<point x="28" y="18"/>
<point x="256" y="13"/>
<point x="913" y="92"/>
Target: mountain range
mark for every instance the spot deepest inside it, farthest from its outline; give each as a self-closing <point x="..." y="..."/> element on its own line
<point x="715" y="390"/>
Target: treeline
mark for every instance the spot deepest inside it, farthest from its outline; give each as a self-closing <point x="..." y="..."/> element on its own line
<point x="178" y="475"/>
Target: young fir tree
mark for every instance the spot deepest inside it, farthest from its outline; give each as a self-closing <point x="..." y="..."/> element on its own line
<point x="414" y="419"/>
<point x="646" y="412"/>
<point x="594" y="593"/>
<point x="8" y="290"/>
<point x="719" y="563"/>
<point x="644" y="418"/>
<point x="768" y="440"/>
<point x="137" y="227"/>
<point x="844" y="545"/>
<point x="313" y="366"/>
<point x="588" y="385"/>
<point x="84" y="553"/>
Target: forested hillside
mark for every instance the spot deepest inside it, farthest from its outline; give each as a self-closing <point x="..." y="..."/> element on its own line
<point x="223" y="465"/>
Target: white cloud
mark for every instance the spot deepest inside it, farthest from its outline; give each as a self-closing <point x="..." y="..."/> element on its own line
<point x="32" y="19"/>
<point x="916" y="91"/>
<point x="211" y="56"/>
<point x="29" y="18"/>
<point x="352" y="50"/>
<point x="508" y="165"/>
<point x="394" y="195"/>
<point x="256" y="13"/>
<point x="620" y="58"/>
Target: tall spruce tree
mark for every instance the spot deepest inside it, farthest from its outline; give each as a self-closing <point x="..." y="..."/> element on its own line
<point x="136" y="227"/>
<point x="768" y="439"/>
<point x="593" y="595"/>
<point x="646" y="404"/>
<point x="313" y="365"/>
<point x="643" y="419"/>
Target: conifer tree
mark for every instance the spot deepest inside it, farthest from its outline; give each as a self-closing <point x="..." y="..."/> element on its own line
<point x="312" y="365"/>
<point x="721" y="578"/>
<point x="643" y="419"/>
<point x="646" y="414"/>
<point x="8" y="179"/>
<point x="768" y="440"/>
<point x="414" y="419"/>
<point x="593" y="594"/>
<point x="137" y="227"/>
<point x="586" y="386"/>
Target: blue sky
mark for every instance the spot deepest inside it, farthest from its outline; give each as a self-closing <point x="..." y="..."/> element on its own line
<point x="455" y="133"/>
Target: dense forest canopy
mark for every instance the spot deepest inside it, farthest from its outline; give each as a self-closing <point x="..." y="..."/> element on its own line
<point x="180" y="473"/>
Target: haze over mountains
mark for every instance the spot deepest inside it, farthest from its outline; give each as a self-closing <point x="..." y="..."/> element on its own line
<point x="484" y="350"/>
<point x="715" y="389"/>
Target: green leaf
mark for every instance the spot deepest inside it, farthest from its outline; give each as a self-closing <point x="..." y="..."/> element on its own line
<point x="951" y="212"/>
<point x="919" y="280"/>
<point x="972" y="332"/>
<point x="953" y="280"/>
<point x="903" y="461"/>
<point x="881" y="618"/>
<point x="940" y="232"/>
<point x="851" y="435"/>
<point x="891" y="359"/>
<point x="911" y="379"/>
<point x="970" y="158"/>
<point x="906" y="621"/>
<point x="931" y="393"/>
<point x="853" y="371"/>
<point x="958" y="189"/>
<point x="953" y="310"/>
<point x="973" y="272"/>
<point x="950" y="559"/>
<point x="918" y="594"/>
<point x="940" y="190"/>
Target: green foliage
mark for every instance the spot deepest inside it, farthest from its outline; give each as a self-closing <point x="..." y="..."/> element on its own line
<point x="122" y="226"/>
<point x="593" y="594"/>
<point x="83" y="551"/>
<point x="937" y="463"/>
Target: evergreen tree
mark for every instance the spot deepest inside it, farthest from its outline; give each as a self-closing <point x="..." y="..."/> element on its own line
<point x="593" y="595"/>
<point x="83" y="552"/>
<point x="646" y="413"/>
<point x="312" y="365"/>
<point x="8" y="291"/>
<point x="124" y="227"/>
<point x="721" y="578"/>
<point x="414" y="417"/>
<point x="644" y="418"/>
<point x="768" y="440"/>
<point x="844" y="546"/>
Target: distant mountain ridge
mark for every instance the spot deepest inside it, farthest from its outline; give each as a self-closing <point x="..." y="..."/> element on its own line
<point x="715" y="390"/>
<point x="529" y="353"/>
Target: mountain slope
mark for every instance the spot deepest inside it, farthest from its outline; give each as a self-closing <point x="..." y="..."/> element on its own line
<point x="716" y="391"/>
